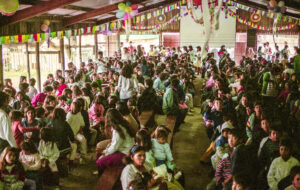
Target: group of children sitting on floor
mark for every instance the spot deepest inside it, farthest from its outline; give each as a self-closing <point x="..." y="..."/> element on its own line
<point x="102" y="101"/>
<point x="250" y="116"/>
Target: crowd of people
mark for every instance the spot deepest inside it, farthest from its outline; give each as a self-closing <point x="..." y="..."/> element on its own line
<point x="107" y="106"/>
<point x="250" y="109"/>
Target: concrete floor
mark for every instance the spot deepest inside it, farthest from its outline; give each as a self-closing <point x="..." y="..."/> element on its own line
<point x="188" y="146"/>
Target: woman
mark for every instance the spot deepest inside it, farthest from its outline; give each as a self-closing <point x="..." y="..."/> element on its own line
<point x="148" y="103"/>
<point x="30" y="121"/>
<point x="127" y="84"/>
<point x="6" y="134"/>
<point x="137" y="167"/>
<point x="62" y="130"/>
<point x="122" y="141"/>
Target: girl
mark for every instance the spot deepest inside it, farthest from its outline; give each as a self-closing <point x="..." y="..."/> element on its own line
<point x="20" y="102"/>
<point x="62" y="103"/>
<point x="12" y="173"/>
<point x="122" y="140"/>
<point x="49" y="153"/>
<point x="87" y="99"/>
<point x="30" y="121"/>
<point x="142" y="138"/>
<point x="17" y="128"/>
<point x="50" y="101"/>
<point x="67" y="92"/>
<point x="97" y="110"/>
<point x="127" y="83"/>
<point x="30" y="158"/>
<point x="75" y="120"/>
<point x="61" y="86"/>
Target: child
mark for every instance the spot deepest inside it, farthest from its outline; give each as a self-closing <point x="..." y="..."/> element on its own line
<point x="75" y="120"/>
<point x="62" y="103"/>
<point x="30" y="158"/>
<point x="133" y="109"/>
<point x="20" y="102"/>
<point x="97" y="110"/>
<point x="223" y="171"/>
<point x="40" y="116"/>
<point x="68" y="94"/>
<point x="221" y="144"/>
<point x="161" y="148"/>
<point x="17" y="127"/>
<point x="142" y="138"/>
<point x="295" y="176"/>
<point x="49" y="153"/>
<point x="12" y="173"/>
<point x="281" y="166"/>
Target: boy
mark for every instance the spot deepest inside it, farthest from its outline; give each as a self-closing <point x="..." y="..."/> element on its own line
<point x="295" y="176"/>
<point x="282" y="165"/>
<point x="216" y="118"/>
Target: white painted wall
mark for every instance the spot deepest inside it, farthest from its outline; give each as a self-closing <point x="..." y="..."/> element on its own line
<point x="192" y="33"/>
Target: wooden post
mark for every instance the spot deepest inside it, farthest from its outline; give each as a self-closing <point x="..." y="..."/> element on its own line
<point x="80" y="56"/>
<point x="160" y="39"/>
<point x="1" y="66"/>
<point x="96" y="46"/>
<point x="62" y="55"/>
<point x="108" y="46"/>
<point x="118" y="40"/>
<point x="27" y="60"/>
<point x="38" y="69"/>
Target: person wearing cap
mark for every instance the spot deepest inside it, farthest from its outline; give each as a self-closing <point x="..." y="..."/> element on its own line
<point x="222" y="143"/>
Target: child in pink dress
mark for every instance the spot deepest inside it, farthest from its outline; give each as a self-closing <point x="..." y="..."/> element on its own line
<point x="97" y="110"/>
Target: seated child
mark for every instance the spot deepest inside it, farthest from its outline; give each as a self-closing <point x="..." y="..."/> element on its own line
<point x="30" y="158"/>
<point x="49" y="153"/>
<point x="295" y="177"/>
<point x="161" y="149"/>
<point x="223" y="171"/>
<point x="62" y="103"/>
<point x="281" y="166"/>
<point x="221" y="144"/>
<point x="12" y="173"/>
<point x="17" y="128"/>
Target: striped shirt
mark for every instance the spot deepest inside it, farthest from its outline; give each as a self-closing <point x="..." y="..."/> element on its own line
<point x="223" y="171"/>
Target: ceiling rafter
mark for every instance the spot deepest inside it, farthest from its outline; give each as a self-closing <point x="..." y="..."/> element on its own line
<point x="35" y="10"/>
<point x="94" y="13"/>
<point x="141" y="10"/>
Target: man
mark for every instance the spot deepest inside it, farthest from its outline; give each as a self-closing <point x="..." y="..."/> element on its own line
<point x="101" y="67"/>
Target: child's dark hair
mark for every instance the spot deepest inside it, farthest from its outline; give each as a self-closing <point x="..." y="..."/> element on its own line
<point x="29" y="146"/>
<point x="15" y="115"/>
<point x="275" y="128"/>
<point x="81" y="102"/>
<point x="144" y="136"/>
<point x="294" y="171"/>
<point x="67" y="91"/>
<point x="243" y="180"/>
<point x="287" y="142"/>
<point x="62" y="97"/>
<point x="132" y="101"/>
<point x="236" y="133"/>
<point x="162" y="134"/>
<point x="99" y="99"/>
<point x="40" y="111"/>
<point x="47" y="134"/>
<point x="139" y="183"/>
<point x="122" y="108"/>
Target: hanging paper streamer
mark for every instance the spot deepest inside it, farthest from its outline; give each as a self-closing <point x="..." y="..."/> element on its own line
<point x="263" y="13"/>
<point x="192" y="9"/>
<point x="241" y="20"/>
<point x="8" y="7"/>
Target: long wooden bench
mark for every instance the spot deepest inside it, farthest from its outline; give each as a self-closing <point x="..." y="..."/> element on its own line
<point x="110" y="179"/>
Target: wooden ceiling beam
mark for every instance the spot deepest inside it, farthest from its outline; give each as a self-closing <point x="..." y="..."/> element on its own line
<point x="94" y="13"/>
<point x="141" y="10"/>
<point x="36" y="10"/>
<point x="264" y="7"/>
